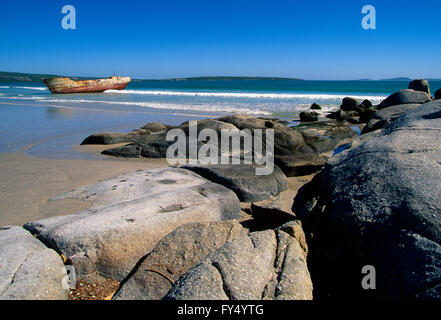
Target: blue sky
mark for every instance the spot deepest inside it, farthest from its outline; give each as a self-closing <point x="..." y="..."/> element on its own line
<point x="162" y="38"/>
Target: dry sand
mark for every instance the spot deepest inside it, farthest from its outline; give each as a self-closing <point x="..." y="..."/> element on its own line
<point x="26" y="183"/>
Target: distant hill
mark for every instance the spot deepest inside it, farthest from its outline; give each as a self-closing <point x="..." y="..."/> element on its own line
<point x="15" y="77"/>
<point x="227" y="78"/>
<point x="11" y="77"/>
<point x="398" y="79"/>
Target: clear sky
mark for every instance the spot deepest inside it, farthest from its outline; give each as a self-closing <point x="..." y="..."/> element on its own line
<point x="164" y="38"/>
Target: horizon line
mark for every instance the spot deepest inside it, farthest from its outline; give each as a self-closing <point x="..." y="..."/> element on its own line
<point x="399" y="78"/>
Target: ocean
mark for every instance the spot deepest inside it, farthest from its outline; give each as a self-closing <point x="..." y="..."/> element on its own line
<point x="42" y="124"/>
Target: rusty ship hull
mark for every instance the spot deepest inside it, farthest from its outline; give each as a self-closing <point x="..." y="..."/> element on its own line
<point x="67" y="85"/>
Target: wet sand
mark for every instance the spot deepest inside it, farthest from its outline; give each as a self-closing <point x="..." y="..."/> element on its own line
<point x="26" y="183"/>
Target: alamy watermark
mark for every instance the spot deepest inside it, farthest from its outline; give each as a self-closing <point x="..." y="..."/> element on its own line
<point x="227" y="146"/>
<point x="69" y="21"/>
<point x="369" y="279"/>
<point x="369" y="21"/>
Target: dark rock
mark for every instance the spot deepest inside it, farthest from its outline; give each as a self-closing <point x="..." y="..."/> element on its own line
<point x="129" y="215"/>
<point x="392" y="113"/>
<point x="29" y="270"/>
<point x="268" y="214"/>
<point x="306" y="199"/>
<point x="365" y="137"/>
<point x="121" y="137"/>
<point x="367" y="114"/>
<point x="248" y="122"/>
<point x="128" y="151"/>
<point x="148" y="146"/>
<point x="366" y="104"/>
<point x="261" y="265"/>
<point x="337" y="115"/>
<point x="420" y="85"/>
<point x="106" y="138"/>
<point x="208" y="124"/>
<point x="438" y="94"/>
<point x="274" y="202"/>
<point x="349" y="104"/>
<point x="383" y="208"/>
<point x="286" y="140"/>
<point x="406" y="96"/>
<point x="385" y="116"/>
<point x="300" y="164"/>
<point x="374" y="125"/>
<point x="342" y="115"/>
<point x="154" y="146"/>
<point x="173" y="256"/>
<point x="156" y="127"/>
<point x="243" y="180"/>
<point x="308" y="116"/>
<point x="325" y="136"/>
<point x="320" y="145"/>
<point x="315" y="106"/>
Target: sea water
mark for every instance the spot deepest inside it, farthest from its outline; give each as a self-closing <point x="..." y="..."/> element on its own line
<point x="44" y="124"/>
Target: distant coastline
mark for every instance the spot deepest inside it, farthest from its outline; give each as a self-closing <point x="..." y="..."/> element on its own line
<point x="15" y="77"/>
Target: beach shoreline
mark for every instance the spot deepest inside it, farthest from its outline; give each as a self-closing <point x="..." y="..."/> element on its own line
<point x="28" y="182"/>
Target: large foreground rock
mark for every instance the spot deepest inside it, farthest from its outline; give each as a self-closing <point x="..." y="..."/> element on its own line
<point x="404" y="97"/>
<point x="129" y="215"/>
<point x="28" y="269"/>
<point x="174" y="255"/>
<point x="382" y="203"/>
<point x="243" y="180"/>
<point x="262" y="265"/>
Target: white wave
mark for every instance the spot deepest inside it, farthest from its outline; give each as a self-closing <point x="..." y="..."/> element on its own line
<point x="167" y="106"/>
<point x="31" y="88"/>
<point x="254" y="95"/>
<point x="4" y="87"/>
<point x="21" y="97"/>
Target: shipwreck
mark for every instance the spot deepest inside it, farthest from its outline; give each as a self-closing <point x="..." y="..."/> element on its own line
<point x="67" y="85"/>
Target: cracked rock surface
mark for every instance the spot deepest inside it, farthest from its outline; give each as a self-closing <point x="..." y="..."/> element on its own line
<point x="261" y="265"/>
<point x="129" y="215"/>
<point x="28" y="269"/>
<point x="174" y="255"/>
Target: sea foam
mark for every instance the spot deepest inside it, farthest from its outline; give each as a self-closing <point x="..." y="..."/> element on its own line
<point x="31" y="88"/>
<point x="253" y="95"/>
<point x="165" y="106"/>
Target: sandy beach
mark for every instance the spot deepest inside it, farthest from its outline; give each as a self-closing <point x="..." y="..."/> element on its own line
<point x="28" y="182"/>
